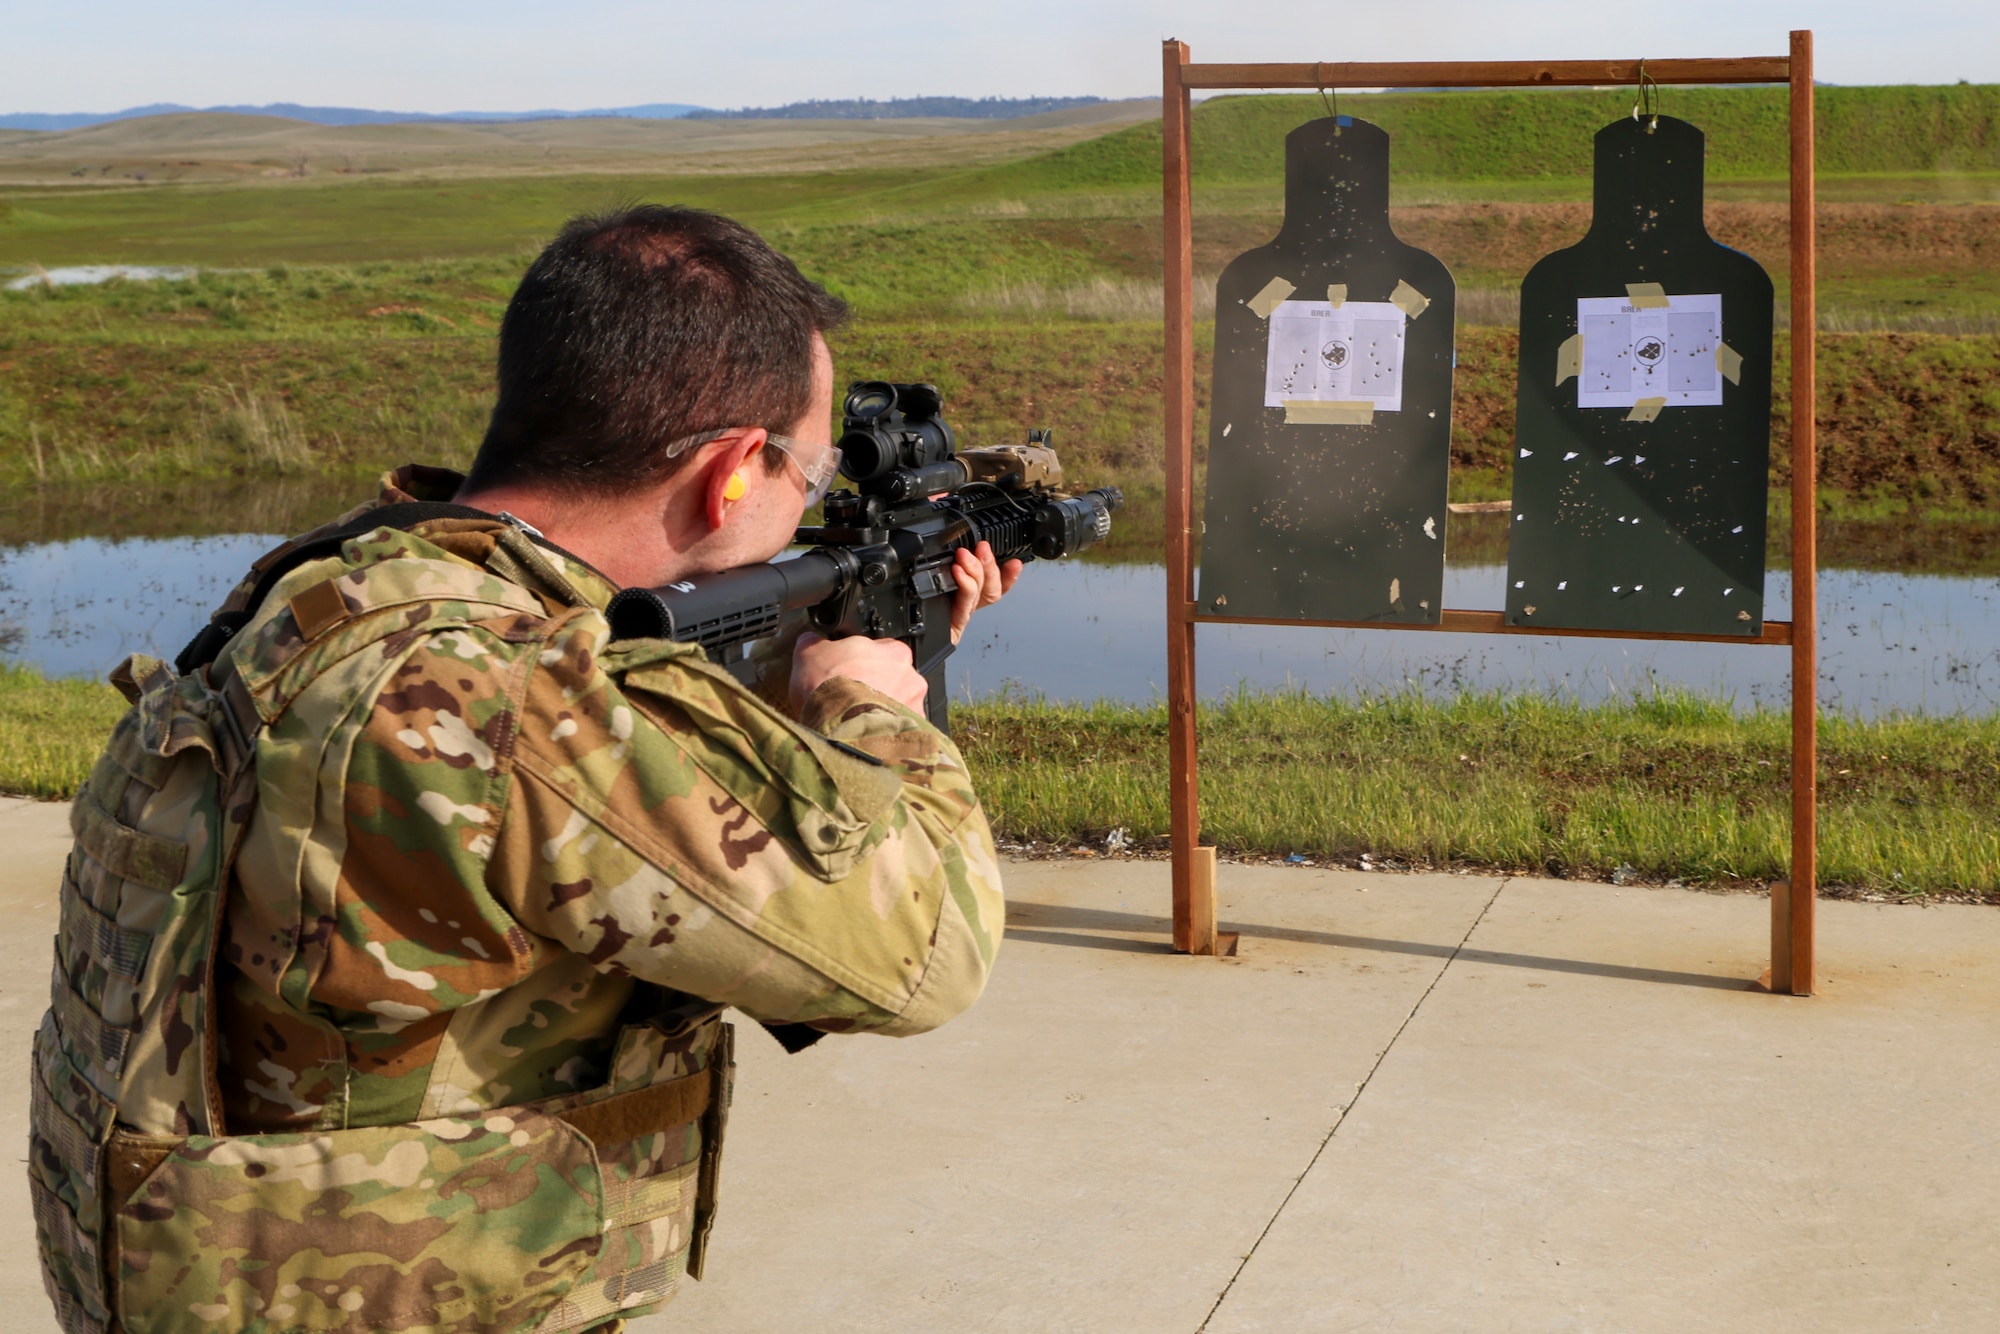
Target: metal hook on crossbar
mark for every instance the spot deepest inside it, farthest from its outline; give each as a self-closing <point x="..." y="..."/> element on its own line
<point x="1649" y="95"/>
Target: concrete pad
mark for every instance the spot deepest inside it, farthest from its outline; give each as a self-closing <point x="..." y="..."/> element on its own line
<point x="1591" y="1124"/>
<point x="1098" y="1143"/>
<point x="1583" y="1119"/>
<point x="34" y="839"/>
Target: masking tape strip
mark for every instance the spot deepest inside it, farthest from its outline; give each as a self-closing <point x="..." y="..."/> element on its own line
<point x="1646" y="296"/>
<point x="1315" y="412"/>
<point x="1409" y="300"/>
<point x="1267" y="300"/>
<point x="1336" y="295"/>
<point x="1730" y="362"/>
<point x="1569" y="358"/>
<point x="1646" y="409"/>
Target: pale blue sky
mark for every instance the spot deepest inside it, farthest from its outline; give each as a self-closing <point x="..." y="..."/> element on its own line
<point x="508" y="55"/>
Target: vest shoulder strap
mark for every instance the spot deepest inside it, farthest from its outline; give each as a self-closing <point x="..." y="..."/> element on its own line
<point x="210" y="640"/>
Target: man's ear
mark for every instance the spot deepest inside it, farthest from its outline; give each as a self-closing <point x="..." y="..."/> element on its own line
<point x="726" y="462"/>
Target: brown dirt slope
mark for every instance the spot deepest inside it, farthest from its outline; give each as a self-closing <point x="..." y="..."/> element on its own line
<point x="1904" y="416"/>
<point x="1487" y="243"/>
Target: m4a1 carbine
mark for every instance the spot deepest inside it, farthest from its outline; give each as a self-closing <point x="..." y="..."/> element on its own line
<point x="881" y="564"/>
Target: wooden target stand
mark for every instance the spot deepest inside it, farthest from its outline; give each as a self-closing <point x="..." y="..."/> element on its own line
<point x="1194" y="865"/>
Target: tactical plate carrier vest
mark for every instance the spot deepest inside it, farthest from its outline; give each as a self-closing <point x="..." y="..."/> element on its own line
<point x="550" y="1216"/>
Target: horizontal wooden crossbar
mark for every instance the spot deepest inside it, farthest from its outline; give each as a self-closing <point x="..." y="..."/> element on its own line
<point x="1494" y="623"/>
<point x="1486" y="73"/>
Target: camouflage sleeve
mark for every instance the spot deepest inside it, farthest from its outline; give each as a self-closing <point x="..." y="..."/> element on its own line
<point x="666" y="823"/>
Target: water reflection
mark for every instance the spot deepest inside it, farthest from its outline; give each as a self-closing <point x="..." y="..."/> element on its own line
<point x="79" y="275"/>
<point x="77" y="608"/>
<point x="1888" y="641"/>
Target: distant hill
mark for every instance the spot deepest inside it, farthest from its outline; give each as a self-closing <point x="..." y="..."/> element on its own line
<point x="337" y="115"/>
<point x="897" y="108"/>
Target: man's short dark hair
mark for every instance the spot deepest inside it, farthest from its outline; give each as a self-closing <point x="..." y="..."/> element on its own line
<point x="637" y="328"/>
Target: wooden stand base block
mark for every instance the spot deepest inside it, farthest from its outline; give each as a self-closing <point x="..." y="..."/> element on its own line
<point x="1780" y="976"/>
<point x="1201" y="903"/>
<point x="1791" y="944"/>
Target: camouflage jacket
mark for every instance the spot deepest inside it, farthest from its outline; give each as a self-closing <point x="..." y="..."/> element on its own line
<point x="471" y="844"/>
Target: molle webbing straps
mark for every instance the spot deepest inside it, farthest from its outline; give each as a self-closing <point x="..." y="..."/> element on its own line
<point x="624" y="1117"/>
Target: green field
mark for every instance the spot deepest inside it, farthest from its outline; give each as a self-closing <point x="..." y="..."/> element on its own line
<point x="1671" y="786"/>
<point x="337" y="372"/>
<point x="344" y="325"/>
<point x="1939" y="144"/>
<point x="1544" y="136"/>
<point x="1668" y="785"/>
<point x="51" y="731"/>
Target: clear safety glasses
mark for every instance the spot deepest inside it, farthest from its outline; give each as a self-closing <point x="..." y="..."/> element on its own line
<point x="818" y="464"/>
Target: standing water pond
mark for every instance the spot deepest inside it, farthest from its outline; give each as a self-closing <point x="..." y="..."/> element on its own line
<point x="1905" y="639"/>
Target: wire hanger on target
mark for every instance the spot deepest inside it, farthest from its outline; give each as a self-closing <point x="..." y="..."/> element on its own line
<point x="1332" y="104"/>
<point x="1649" y="96"/>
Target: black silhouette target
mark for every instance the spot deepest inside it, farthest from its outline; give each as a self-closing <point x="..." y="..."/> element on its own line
<point x="1329" y="440"/>
<point x="1644" y="409"/>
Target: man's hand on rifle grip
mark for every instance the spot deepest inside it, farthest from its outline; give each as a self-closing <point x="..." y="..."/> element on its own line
<point x="982" y="581"/>
<point x="881" y="664"/>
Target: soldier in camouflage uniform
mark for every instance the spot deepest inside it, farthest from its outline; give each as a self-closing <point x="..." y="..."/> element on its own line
<point x="401" y="915"/>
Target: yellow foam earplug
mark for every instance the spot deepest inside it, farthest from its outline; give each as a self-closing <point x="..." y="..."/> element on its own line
<point x="736" y="487"/>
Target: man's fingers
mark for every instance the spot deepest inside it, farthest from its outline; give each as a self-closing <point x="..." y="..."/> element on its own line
<point x="989" y="569"/>
<point x="971" y="585"/>
<point x="978" y="585"/>
<point x="982" y="581"/>
<point x="970" y="573"/>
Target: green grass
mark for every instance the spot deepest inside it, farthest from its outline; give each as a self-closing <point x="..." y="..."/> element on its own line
<point x="1674" y="786"/>
<point x="370" y="220"/>
<point x="1544" y="135"/>
<point x="50" y="731"/>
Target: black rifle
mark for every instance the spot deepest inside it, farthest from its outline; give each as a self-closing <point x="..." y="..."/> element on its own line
<point x="881" y="563"/>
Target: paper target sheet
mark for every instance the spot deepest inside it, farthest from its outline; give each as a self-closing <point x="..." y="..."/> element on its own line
<point x="1666" y="352"/>
<point x="1321" y="353"/>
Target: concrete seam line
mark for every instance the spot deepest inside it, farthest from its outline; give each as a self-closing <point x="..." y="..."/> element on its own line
<point x="1359" y="1089"/>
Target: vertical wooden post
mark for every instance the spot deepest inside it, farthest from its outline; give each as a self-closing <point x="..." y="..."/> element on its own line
<point x="1177" y="271"/>
<point x="1792" y="912"/>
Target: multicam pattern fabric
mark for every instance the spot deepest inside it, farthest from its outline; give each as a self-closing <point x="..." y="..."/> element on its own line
<point x="154" y="827"/>
<point x="573" y="818"/>
<point x="360" y="1229"/>
<point x="478" y="854"/>
<point x="555" y="1216"/>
